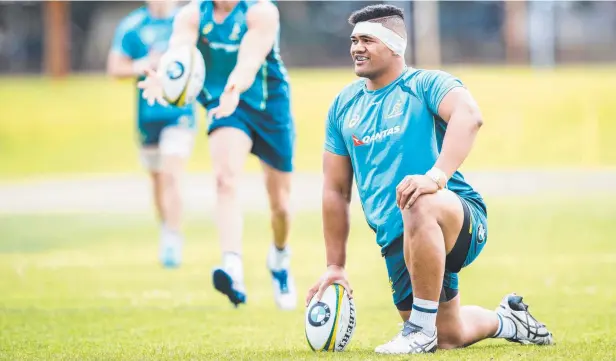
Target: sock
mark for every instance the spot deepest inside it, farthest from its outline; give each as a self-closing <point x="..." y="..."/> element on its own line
<point x="163" y="230"/>
<point x="169" y="237"/>
<point x="506" y="327"/>
<point x="279" y="259"/>
<point x="424" y="315"/>
<point x="232" y="264"/>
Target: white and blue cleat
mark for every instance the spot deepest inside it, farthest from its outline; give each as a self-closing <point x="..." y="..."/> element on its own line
<point x="278" y="263"/>
<point x="228" y="279"/>
<point x="284" y="290"/>
<point x="410" y="340"/>
<point x="224" y="283"/>
<point x="170" y="254"/>
<point x="529" y="331"/>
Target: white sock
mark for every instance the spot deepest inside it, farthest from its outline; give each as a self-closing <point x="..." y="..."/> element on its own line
<point x="506" y="327"/>
<point x="232" y="264"/>
<point x="279" y="259"/>
<point x="168" y="236"/>
<point x="424" y="315"/>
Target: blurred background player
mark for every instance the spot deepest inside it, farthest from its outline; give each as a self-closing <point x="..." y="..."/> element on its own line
<point x="166" y="133"/>
<point x="404" y="133"/>
<point x="246" y="94"/>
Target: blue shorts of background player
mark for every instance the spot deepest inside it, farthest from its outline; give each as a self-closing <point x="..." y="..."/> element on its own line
<point x="168" y="137"/>
<point x="468" y="246"/>
<point x="271" y="130"/>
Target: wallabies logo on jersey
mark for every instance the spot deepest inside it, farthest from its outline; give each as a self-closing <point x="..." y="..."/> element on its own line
<point x="235" y="33"/>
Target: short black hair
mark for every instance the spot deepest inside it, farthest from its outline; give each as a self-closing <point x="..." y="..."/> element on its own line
<point x="371" y="12"/>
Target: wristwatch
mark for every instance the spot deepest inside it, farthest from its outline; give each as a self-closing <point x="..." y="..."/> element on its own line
<point x="438" y="176"/>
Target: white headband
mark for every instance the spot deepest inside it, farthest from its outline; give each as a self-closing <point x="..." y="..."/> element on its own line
<point x="392" y="40"/>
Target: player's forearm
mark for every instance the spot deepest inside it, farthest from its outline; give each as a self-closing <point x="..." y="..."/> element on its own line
<point x="461" y="132"/>
<point x="185" y="27"/>
<point x="183" y="36"/>
<point x="335" y="225"/>
<point x="125" y="68"/>
<point x="251" y="57"/>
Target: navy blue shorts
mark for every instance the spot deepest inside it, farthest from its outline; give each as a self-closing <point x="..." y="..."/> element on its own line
<point x="272" y="131"/>
<point x="470" y="243"/>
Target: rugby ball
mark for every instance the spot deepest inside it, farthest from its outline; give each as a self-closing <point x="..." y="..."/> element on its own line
<point x="330" y="323"/>
<point x="183" y="74"/>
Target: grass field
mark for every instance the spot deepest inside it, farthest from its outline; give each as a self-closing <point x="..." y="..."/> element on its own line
<point x="84" y="124"/>
<point x="78" y="287"/>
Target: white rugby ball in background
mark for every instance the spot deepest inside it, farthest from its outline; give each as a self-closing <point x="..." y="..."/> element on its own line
<point x="330" y="323"/>
<point x="183" y="75"/>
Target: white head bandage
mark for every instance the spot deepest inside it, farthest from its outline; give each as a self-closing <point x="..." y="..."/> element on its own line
<point x="392" y="40"/>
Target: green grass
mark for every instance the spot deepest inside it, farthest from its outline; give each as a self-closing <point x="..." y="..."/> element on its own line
<point x="77" y="287"/>
<point x="84" y="124"/>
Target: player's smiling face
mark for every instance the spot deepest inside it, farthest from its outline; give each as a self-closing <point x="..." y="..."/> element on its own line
<point x="370" y="56"/>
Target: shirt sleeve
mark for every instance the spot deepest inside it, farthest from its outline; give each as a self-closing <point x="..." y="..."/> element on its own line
<point x="435" y="84"/>
<point x="334" y="142"/>
<point x="122" y="40"/>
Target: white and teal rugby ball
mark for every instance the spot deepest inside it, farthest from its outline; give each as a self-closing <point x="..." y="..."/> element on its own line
<point x="330" y="323"/>
<point x="183" y="75"/>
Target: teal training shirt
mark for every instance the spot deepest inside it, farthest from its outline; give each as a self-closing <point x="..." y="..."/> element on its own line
<point x="388" y="134"/>
<point x="220" y="42"/>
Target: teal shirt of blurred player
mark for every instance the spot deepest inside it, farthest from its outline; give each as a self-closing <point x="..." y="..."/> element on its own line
<point x="166" y="134"/>
<point x="138" y="35"/>
<point x="388" y="134"/>
<point x="219" y="43"/>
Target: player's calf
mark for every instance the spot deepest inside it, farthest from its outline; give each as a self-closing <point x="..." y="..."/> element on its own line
<point x="278" y="185"/>
<point x="170" y="175"/>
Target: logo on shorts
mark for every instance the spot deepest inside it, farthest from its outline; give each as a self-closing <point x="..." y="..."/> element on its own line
<point x="391" y="284"/>
<point x="481" y="233"/>
<point x="175" y="70"/>
<point x="319" y="314"/>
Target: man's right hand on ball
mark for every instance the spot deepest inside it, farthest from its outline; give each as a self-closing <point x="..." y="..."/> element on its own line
<point x="334" y="274"/>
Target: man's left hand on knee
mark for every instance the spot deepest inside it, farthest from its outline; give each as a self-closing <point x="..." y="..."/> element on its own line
<point x="412" y="187"/>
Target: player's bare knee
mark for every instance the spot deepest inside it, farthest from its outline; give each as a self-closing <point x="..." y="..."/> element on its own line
<point x="419" y="213"/>
<point x="226" y="181"/>
<point x="425" y="206"/>
<point x="279" y="203"/>
<point x="280" y="210"/>
<point x="169" y="178"/>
